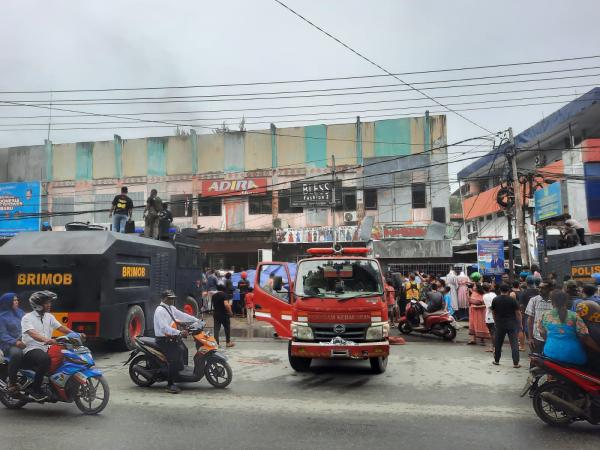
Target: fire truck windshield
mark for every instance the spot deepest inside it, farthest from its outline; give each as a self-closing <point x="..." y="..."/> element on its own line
<point x="340" y="278"/>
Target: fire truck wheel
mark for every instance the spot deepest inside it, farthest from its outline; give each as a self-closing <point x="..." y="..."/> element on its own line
<point x="298" y="364"/>
<point x="135" y="325"/>
<point x="190" y="306"/>
<point x="379" y="364"/>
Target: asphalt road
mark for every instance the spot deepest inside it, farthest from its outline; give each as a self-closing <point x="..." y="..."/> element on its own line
<point x="434" y="395"/>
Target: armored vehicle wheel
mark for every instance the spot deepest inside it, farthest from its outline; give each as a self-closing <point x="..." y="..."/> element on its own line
<point x="135" y="325"/>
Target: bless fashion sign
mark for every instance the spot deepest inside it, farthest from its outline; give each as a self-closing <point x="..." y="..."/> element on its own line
<point x="211" y="188"/>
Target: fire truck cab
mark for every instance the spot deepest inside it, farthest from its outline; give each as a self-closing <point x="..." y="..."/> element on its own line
<point x="333" y="309"/>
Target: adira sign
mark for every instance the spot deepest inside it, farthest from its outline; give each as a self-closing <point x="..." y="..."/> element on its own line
<point x="245" y="186"/>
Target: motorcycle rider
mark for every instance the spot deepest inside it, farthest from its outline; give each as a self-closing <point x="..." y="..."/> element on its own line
<point x="168" y="338"/>
<point x="37" y="327"/>
<point x="435" y="304"/>
<point x="10" y="336"/>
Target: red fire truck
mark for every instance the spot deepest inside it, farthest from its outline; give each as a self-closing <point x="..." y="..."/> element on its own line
<point x="334" y="309"/>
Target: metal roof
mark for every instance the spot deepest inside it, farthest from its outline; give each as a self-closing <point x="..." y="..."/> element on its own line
<point x="70" y="242"/>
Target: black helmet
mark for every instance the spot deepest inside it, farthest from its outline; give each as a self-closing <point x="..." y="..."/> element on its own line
<point x="37" y="299"/>
<point x="167" y="294"/>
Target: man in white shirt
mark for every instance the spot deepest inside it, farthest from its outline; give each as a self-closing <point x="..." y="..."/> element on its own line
<point x="168" y="338"/>
<point x="37" y="327"/>
<point x="488" y="298"/>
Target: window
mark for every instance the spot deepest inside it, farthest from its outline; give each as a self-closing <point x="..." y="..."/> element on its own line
<point x="102" y="203"/>
<point x="348" y="200"/>
<point x="181" y="205"/>
<point x="500" y="214"/>
<point x="209" y="207"/>
<point x="481" y="219"/>
<point x="285" y="207"/>
<point x="488" y="217"/>
<point x="260" y="204"/>
<point x="418" y="195"/>
<point x="370" y="198"/>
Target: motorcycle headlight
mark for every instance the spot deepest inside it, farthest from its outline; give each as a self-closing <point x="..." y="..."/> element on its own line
<point x="377" y="332"/>
<point x="302" y="332"/>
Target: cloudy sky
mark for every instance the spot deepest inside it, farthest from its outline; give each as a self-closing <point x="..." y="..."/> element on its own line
<point x="67" y="45"/>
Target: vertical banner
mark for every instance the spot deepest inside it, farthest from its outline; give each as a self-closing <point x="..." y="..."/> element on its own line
<point x="490" y="256"/>
<point x="20" y="207"/>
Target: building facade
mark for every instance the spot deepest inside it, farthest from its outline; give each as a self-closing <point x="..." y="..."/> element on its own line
<point x="227" y="183"/>
<point x="564" y="148"/>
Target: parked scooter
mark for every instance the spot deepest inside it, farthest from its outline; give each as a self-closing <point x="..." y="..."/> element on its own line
<point x="75" y="379"/>
<point x="440" y="323"/>
<point x="148" y="365"/>
<point x="562" y="393"/>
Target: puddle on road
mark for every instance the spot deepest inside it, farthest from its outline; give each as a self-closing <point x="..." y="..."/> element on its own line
<point x="249" y="333"/>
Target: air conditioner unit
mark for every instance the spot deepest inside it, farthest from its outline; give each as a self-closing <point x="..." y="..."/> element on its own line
<point x="350" y="216"/>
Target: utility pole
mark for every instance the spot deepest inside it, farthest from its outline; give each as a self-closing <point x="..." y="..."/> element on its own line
<point x="518" y="203"/>
<point x="334" y="198"/>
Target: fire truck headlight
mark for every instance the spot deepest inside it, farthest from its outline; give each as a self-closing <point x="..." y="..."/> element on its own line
<point x="375" y="332"/>
<point x="302" y="331"/>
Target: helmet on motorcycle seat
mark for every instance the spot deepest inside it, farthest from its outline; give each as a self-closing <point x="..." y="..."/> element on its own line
<point x="244" y="275"/>
<point x="475" y="276"/>
<point x="38" y="299"/>
<point x="589" y="311"/>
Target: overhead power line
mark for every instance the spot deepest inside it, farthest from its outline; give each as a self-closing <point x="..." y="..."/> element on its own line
<point x="54" y="124"/>
<point x="304" y="91"/>
<point x="307" y="80"/>
<point x="268" y="108"/>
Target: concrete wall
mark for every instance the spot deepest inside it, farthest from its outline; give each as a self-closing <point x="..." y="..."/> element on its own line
<point x="342" y="143"/>
<point x="135" y="158"/>
<point x="257" y="151"/>
<point x="63" y="161"/>
<point x="103" y="160"/>
<point x="179" y="155"/>
<point x="23" y="164"/>
<point x="290" y="150"/>
<point x="233" y="160"/>
<point x="211" y="153"/>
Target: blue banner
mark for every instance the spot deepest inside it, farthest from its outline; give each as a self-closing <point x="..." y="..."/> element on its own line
<point x="20" y="207"/>
<point x="490" y="256"/>
<point x="548" y="202"/>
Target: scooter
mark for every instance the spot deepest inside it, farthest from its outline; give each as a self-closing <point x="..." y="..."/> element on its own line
<point x="148" y="365"/>
<point x="75" y="379"/>
<point x="439" y="323"/>
<point x="562" y="393"/>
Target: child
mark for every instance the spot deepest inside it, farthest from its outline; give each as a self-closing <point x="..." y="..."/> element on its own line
<point x="448" y="300"/>
<point x="249" y="301"/>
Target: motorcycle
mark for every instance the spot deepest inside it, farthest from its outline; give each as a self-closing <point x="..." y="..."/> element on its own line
<point x="75" y="379"/>
<point x="148" y="365"/>
<point x="562" y="393"/>
<point x="440" y="323"/>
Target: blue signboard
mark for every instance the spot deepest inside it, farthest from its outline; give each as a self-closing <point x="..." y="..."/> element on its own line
<point x="548" y="202"/>
<point x="20" y="207"/>
<point x="490" y="256"/>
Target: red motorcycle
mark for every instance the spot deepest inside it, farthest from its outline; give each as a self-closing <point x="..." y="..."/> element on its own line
<point x="439" y="323"/>
<point x="563" y="393"/>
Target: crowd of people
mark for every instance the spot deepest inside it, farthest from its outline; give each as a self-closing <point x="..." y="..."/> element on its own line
<point x="535" y="313"/>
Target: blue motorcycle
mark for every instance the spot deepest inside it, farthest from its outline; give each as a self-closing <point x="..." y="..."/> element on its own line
<point x="75" y="380"/>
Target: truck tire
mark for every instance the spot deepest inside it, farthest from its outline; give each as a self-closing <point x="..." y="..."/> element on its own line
<point x="135" y="325"/>
<point x="298" y="364"/>
<point x="378" y="364"/>
<point x="190" y="306"/>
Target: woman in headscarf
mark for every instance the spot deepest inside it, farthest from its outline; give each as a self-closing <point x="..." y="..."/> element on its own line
<point x="10" y="335"/>
<point x="452" y="283"/>
<point x="477" y="326"/>
<point x="463" y="295"/>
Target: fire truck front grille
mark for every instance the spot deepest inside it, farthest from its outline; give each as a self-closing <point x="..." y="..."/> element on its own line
<point x="327" y="331"/>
